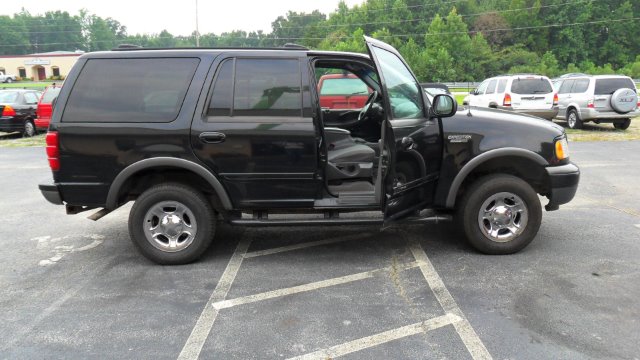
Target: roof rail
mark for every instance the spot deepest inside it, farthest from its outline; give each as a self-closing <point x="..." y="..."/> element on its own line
<point x="287" y="46"/>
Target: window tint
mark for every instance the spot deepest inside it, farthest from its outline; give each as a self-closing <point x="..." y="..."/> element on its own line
<point x="50" y="94"/>
<point x="30" y="98"/>
<point x="221" y="97"/>
<point x="267" y="87"/>
<point x="492" y="87"/>
<point x="130" y="90"/>
<point x="502" y="84"/>
<point x="565" y="88"/>
<point x="405" y="95"/>
<point x="531" y="86"/>
<point x="609" y="86"/>
<point x="580" y="86"/>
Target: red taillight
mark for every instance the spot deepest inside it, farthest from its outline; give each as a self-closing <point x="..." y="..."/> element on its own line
<point x="590" y="104"/>
<point x="555" y="99"/>
<point x="53" y="150"/>
<point x="507" y="100"/>
<point x="8" y="111"/>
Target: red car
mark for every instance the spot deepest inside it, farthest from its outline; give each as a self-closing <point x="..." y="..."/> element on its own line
<point x="44" y="107"/>
<point x="342" y="91"/>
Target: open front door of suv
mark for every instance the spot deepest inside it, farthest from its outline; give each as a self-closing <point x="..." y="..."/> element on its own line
<point x="412" y="141"/>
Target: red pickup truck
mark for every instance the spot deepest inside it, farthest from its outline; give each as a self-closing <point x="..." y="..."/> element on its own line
<point x="342" y="91"/>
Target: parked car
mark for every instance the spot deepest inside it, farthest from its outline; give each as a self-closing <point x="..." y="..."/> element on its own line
<point x="7" y="78"/>
<point x="526" y="94"/>
<point x="43" y="113"/>
<point x="342" y="91"/>
<point x="597" y="98"/>
<point x="18" y="111"/>
<point x="234" y="135"/>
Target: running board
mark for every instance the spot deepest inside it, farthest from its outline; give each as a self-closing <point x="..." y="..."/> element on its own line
<point x="335" y="221"/>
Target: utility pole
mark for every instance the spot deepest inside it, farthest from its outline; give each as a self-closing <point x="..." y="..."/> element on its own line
<point x="197" y="29"/>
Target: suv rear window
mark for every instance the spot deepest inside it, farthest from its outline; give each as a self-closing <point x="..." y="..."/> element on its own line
<point x="49" y="95"/>
<point x="130" y="90"/>
<point x="531" y="86"/>
<point x="8" y="97"/>
<point x="609" y="86"/>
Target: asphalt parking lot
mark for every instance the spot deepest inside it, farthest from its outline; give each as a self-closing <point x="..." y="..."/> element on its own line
<point x="74" y="288"/>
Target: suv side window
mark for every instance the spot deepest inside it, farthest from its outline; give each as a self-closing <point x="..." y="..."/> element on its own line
<point x="566" y="87"/>
<point x="130" y="90"/>
<point x="502" y="85"/>
<point x="580" y="86"/>
<point x="222" y="95"/>
<point x="492" y="87"/>
<point x="267" y="87"/>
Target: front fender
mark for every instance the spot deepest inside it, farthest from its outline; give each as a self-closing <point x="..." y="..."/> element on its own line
<point x="482" y="158"/>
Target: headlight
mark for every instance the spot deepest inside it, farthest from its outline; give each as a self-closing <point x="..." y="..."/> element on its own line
<point x="562" y="148"/>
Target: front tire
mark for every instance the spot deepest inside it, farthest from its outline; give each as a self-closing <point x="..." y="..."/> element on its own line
<point x="573" y="120"/>
<point x="172" y="224"/>
<point x="500" y="214"/>
<point x="622" y="125"/>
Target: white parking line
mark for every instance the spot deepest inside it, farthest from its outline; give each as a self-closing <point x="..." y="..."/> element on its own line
<point x="469" y="337"/>
<point x="200" y="332"/>
<point x="381" y="338"/>
<point x="310" y="286"/>
<point x="303" y="245"/>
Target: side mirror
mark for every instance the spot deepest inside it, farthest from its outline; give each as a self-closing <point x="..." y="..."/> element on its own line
<point x="444" y="105"/>
<point x="473" y="92"/>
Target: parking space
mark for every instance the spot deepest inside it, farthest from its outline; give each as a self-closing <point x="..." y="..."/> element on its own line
<point x="73" y="288"/>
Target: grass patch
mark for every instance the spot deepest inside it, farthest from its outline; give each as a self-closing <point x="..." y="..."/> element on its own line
<point x="12" y="141"/>
<point x="28" y="85"/>
<point x="459" y="98"/>
<point x="603" y="132"/>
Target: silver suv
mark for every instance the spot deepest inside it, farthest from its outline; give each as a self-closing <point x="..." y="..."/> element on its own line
<point x="598" y="98"/>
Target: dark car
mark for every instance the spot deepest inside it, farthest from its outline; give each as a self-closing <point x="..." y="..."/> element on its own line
<point x="197" y="136"/>
<point x="45" y="107"/>
<point x="18" y="111"/>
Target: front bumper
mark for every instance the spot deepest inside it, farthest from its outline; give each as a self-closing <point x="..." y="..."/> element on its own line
<point x="542" y="113"/>
<point x="51" y="193"/>
<point x="563" y="184"/>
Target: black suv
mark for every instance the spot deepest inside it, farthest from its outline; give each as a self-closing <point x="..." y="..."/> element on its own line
<point x="195" y="136"/>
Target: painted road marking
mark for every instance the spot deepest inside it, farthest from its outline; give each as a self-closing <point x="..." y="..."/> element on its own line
<point x="310" y="286"/>
<point x="62" y="250"/>
<point x="200" y="332"/>
<point x="381" y="338"/>
<point x="304" y="245"/>
<point x="469" y="337"/>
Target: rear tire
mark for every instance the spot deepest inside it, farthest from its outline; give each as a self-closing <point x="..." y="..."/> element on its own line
<point x="29" y="129"/>
<point x="499" y="214"/>
<point x="622" y="125"/>
<point x="573" y="120"/>
<point x="172" y="224"/>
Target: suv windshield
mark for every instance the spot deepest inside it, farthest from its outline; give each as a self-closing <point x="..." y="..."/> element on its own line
<point x="609" y="86"/>
<point x="531" y="86"/>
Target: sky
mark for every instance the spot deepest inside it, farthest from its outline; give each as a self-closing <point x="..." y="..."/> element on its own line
<point x="151" y="17"/>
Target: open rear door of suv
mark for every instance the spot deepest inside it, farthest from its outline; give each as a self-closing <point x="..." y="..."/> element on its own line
<point x="412" y="141"/>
